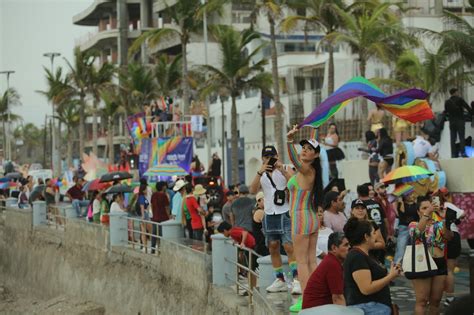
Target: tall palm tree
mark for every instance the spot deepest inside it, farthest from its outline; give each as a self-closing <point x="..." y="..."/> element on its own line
<point x="374" y="32"/>
<point x="187" y="17"/>
<point x="323" y="17"/>
<point x="112" y="108"/>
<point x="8" y="99"/>
<point x="168" y="74"/>
<point x="32" y="141"/>
<point x="69" y="115"/>
<point x="99" y="79"/>
<point x="273" y="10"/>
<point x="138" y="82"/>
<point x="58" y="92"/>
<point x="238" y="73"/>
<point x="80" y="76"/>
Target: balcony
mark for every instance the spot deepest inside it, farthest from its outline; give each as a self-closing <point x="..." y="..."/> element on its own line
<point x="91" y="15"/>
<point x="107" y="38"/>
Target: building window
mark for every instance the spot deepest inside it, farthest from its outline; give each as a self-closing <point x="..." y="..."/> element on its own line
<point x="296" y="47"/>
<point x="300" y="84"/>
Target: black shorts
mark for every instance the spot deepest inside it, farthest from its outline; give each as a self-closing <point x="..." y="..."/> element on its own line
<point x="442" y="266"/>
<point x="454" y="246"/>
<point x="389" y="160"/>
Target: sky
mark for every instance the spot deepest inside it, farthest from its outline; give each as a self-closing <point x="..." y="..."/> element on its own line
<point x="28" y="29"/>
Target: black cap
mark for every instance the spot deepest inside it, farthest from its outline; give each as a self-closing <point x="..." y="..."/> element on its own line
<point x="329" y="197"/>
<point x="269" y="150"/>
<point x="358" y="202"/>
<point x="230" y="193"/>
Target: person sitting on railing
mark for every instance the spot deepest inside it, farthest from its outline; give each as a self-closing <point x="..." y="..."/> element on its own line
<point x="23" y="198"/>
<point x="76" y="195"/>
<point x="326" y="284"/>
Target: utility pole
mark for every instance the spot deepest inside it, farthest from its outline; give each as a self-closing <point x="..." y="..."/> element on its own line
<point x="55" y="160"/>
<point x="264" y="131"/>
<point x="208" y="107"/>
<point x="7" y="146"/>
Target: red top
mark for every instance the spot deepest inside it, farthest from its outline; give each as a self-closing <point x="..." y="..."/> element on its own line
<point x="236" y="234"/>
<point x="76" y="193"/>
<point x="192" y="205"/>
<point x="159" y="202"/>
<point x="325" y="281"/>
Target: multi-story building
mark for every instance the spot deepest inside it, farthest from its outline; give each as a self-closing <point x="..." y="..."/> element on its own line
<point x="302" y="67"/>
<point x="114" y="33"/>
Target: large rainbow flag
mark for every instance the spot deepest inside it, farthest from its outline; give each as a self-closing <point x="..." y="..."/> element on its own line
<point x="410" y="105"/>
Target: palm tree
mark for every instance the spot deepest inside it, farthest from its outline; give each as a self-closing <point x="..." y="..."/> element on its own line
<point x="59" y="91"/>
<point x="373" y="32"/>
<point x="113" y="106"/>
<point x="168" y="74"/>
<point x="80" y="76"/>
<point x="138" y="82"/>
<point x="69" y="115"/>
<point x="99" y="78"/>
<point x="321" y="16"/>
<point x="32" y="141"/>
<point x="273" y="11"/>
<point x="9" y="98"/>
<point x="237" y="73"/>
<point x="187" y="17"/>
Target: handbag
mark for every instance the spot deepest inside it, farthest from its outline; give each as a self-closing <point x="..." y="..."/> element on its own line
<point x="417" y="262"/>
<point x="279" y="197"/>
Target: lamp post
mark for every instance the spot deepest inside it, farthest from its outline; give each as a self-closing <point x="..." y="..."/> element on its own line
<point x="7" y="143"/>
<point x="208" y="107"/>
<point x="55" y="162"/>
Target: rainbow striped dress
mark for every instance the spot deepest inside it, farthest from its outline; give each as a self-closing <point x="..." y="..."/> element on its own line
<point x="304" y="218"/>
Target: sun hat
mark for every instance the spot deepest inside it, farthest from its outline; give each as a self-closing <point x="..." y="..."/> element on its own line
<point x="259" y="196"/>
<point x="199" y="190"/>
<point x="311" y="142"/>
<point x="179" y="184"/>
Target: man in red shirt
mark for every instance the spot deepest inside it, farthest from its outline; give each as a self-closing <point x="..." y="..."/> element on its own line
<point x="238" y="234"/>
<point x="326" y="284"/>
<point x="76" y="195"/>
<point x="160" y="206"/>
<point x="198" y="221"/>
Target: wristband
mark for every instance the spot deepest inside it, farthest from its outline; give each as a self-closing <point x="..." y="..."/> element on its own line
<point x="259" y="174"/>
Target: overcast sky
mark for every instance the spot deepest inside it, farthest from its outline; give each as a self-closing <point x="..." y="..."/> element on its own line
<point x="29" y="28"/>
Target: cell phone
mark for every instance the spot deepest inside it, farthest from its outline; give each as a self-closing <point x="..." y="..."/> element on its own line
<point x="436" y="202"/>
<point x="272" y="162"/>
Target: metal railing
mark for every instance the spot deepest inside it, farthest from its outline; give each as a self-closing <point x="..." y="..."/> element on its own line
<point x="249" y="257"/>
<point x="143" y="234"/>
<point x="171" y="129"/>
<point x="56" y="217"/>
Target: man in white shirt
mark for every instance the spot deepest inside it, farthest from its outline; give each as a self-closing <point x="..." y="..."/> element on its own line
<point x="421" y="147"/>
<point x="273" y="176"/>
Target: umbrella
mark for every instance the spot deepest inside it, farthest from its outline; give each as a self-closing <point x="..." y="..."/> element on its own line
<point x="4" y="180"/>
<point x="15" y="175"/>
<point x="165" y="170"/>
<point x="403" y="189"/>
<point x="95" y="185"/>
<point x="406" y="174"/>
<point x="113" y="176"/>
<point x="118" y="189"/>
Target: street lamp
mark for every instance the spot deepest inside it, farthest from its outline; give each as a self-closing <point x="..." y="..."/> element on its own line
<point x="8" y="154"/>
<point x="55" y="163"/>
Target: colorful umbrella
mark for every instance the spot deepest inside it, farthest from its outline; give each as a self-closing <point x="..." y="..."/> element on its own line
<point x="165" y="170"/>
<point x="95" y="185"/>
<point x="113" y="176"/>
<point x="403" y="189"/>
<point x="406" y="174"/>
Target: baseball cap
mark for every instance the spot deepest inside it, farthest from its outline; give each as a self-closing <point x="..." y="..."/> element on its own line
<point x="311" y="142"/>
<point x="243" y="189"/>
<point x="230" y="193"/>
<point x="329" y="197"/>
<point x="358" y="202"/>
<point x="259" y="196"/>
<point x="269" y="150"/>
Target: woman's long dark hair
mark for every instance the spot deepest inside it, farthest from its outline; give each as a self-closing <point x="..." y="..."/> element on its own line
<point x="383" y="133"/>
<point x="197" y="163"/>
<point x="318" y="181"/>
<point x="335" y="126"/>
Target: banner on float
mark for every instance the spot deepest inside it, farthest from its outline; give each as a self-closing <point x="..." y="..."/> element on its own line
<point x="174" y="150"/>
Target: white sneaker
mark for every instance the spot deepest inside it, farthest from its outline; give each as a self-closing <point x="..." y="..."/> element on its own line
<point x="295" y="287"/>
<point x="277" y="286"/>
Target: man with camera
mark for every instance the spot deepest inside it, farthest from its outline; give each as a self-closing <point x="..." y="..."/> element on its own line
<point x="272" y="178"/>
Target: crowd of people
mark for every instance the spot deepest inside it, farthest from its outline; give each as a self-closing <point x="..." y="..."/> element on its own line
<point x="337" y="257"/>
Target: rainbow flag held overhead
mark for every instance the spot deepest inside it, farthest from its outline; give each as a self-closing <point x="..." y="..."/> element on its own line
<point x="410" y="104"/>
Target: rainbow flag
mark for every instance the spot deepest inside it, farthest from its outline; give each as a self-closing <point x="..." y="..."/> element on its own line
<point x="410" y="105"/>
